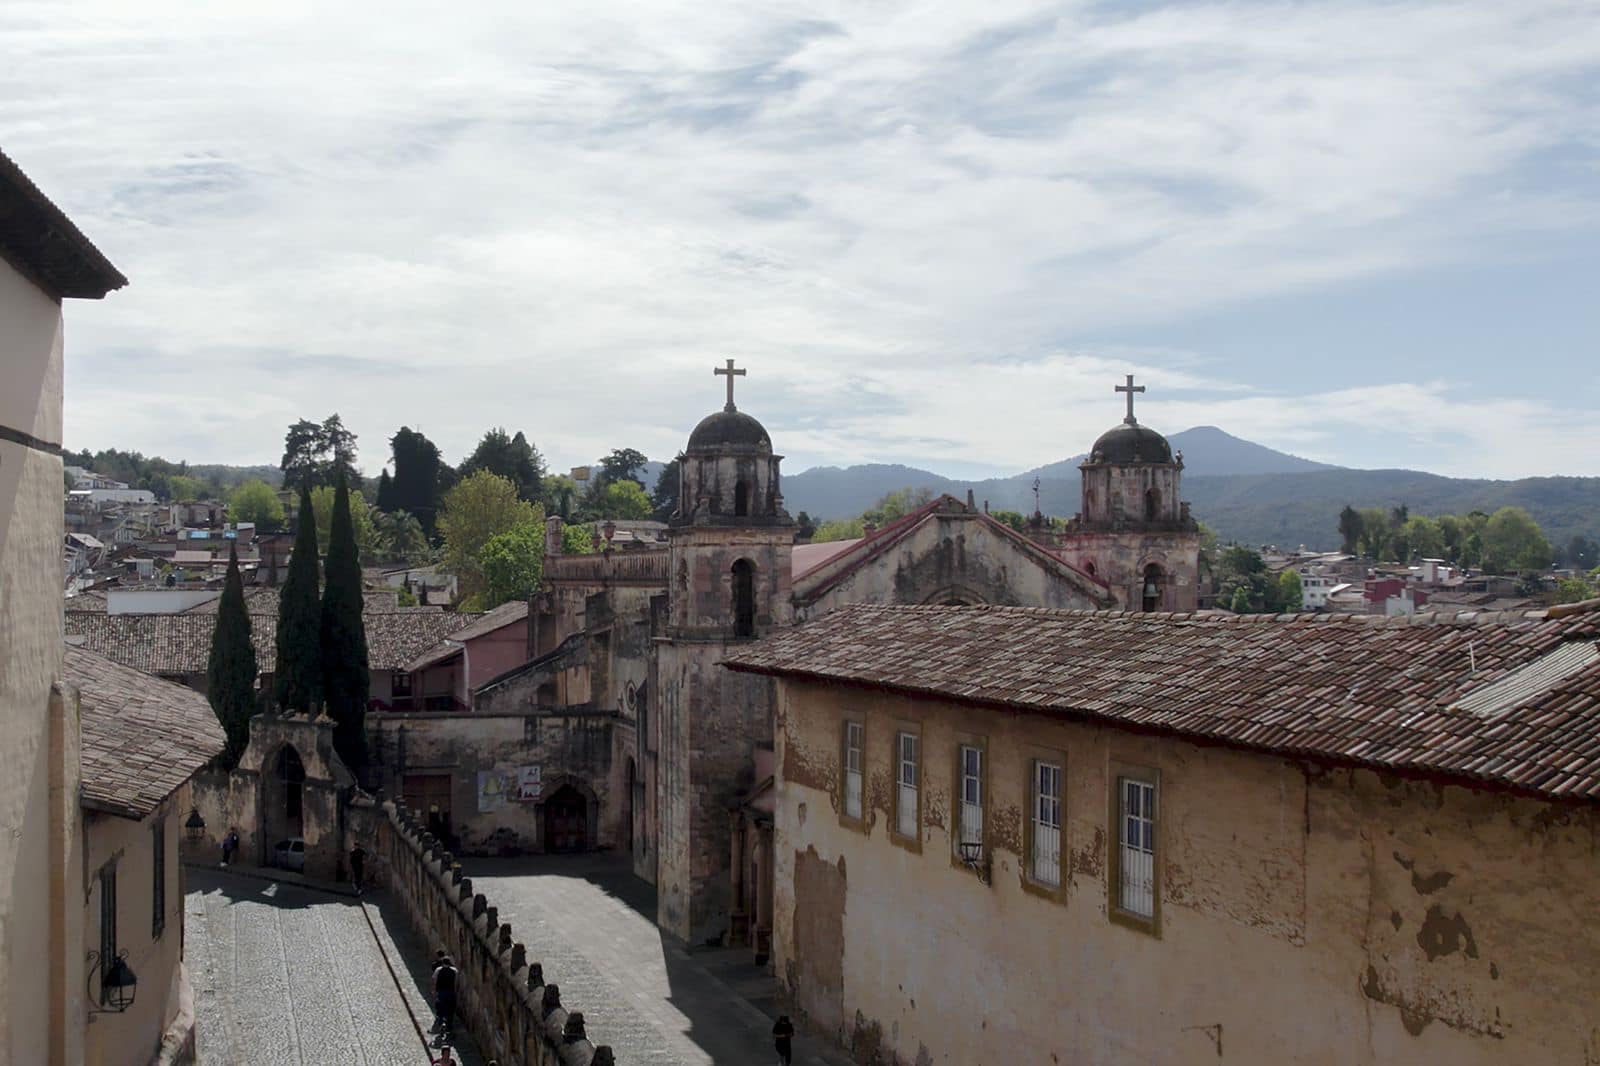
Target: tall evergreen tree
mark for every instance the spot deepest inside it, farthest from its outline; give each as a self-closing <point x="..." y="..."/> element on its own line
<point x="298" y="677"/>
<point x="346" y="681"/>
<point x="418" y="474"/>
<point x="231" y="673"/>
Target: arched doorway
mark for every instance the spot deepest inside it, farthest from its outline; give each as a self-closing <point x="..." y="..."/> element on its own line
<point x="282" y="810"/>
<point x="566" y="821"/>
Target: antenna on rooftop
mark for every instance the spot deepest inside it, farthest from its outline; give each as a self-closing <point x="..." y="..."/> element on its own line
<point x="1036" y="496"/>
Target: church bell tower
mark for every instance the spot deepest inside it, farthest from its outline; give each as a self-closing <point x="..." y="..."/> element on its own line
<point x="729" y="551"/>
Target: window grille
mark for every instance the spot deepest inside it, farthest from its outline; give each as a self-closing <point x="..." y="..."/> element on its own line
<point x="108" y="923"/>
<point x="852" y="769"/>
<point x="971" y="802"/>
<point x="158" y="885"/>
<point x="1047" y="823"/>
<point x="906" y="800"/>
<point x="1137" y="832"/>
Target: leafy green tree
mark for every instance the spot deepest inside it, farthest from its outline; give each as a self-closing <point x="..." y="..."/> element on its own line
<point x="323" y="499"/>
<point x="255" y="501"/>
<point x="512" y="564"/>
<point x="297" y="677"/>
<point x="623" y="464"/>
<point x="1512" y="540"/>
<point x="839" y="529"/>
<point x="478" y="508"/>
<point x="1240" y="602"/>
<point x="1581" y="553"/>
<point x="808" y="528"/>
<point x="316" y="453"/>
<point x="624" y="499"/>
<point x="1349" y="530"/>
<point x="231" y="670"/>
<point x="1576" y="589"/>
<point x="1420" y="536"/>
<point x="1015" y="519"/>
<point x="561" y="496"/>
<point x="513" y="458"/>
<point x="578" y="539"/>
<point x="399" y="536"/>
<point x="346" y="680"/>
<point x="668" y="485"/>
<point x="419" y="476"/>
<point x="1376" y="533"/>
<point x="1291" y="592"/>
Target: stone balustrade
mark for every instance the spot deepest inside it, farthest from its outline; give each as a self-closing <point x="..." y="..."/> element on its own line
<point x="513" y="1013"/>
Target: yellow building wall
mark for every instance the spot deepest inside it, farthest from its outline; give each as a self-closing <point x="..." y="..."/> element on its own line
<point x="132" y="1037"/>
<point x="38" y="761"/>
<point x="1306" y="916"/>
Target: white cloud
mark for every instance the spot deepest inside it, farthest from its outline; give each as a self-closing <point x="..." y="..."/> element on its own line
<point x="900" y="215"/>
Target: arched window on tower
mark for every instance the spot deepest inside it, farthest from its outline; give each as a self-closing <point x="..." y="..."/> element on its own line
<point x="741" y="499"/>
<point x="1153" y="586"/>
<point x="744" y="598"/>
<point x="1152" y="504"/>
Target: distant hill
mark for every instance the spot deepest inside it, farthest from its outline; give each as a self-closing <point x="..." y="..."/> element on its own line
<point x="1244" y="491"/>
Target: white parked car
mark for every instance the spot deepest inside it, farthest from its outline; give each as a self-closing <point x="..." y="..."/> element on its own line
<point x="290" y="854"/>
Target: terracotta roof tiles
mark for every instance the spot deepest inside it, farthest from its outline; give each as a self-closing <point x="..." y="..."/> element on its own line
<point x="1367" y="691"/>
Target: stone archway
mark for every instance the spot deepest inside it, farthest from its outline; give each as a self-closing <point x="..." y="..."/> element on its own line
<point x="281" y="811"/>
<point x="955" y="596"/>
<point x="566" y="821"/>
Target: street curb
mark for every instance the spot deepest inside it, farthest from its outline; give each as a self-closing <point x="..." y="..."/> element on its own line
<point x="266" y="873"/>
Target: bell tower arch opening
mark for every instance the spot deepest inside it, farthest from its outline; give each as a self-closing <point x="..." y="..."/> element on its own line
<point x="741" y="499"/>
<point x="744" y="598"/>
<point x="1154" y="587"/>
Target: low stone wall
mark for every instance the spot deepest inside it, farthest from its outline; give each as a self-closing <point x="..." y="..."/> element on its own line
<point x="512" y="1013"/>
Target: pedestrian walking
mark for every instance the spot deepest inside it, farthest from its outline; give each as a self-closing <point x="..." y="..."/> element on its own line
<point x="358" y="867"/>
<point x="783" y="1039"/>
<point x="444" y="997"/>
<point x="230" y="845"/>
<point x="438" y="960"/>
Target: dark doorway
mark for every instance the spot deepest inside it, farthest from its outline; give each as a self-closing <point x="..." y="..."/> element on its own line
<point x="292" y="776"/>
<point x="630" y="786"/>
<point x="429" y="794"/>
<point x="1152" y="505"/>
<point x="741" y="499"/>
<point x="744" y="598"/>
<point x="566" y="821"/>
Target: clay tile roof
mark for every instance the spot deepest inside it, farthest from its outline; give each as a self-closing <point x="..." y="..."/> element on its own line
<point x="142" y="737"/>
<point x="504" y="615"/>
<point x="173" y="644"/>
<point x="1351" y="690"/>
<point x="41" y="241"/>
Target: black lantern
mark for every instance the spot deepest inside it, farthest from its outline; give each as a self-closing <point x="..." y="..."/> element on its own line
<point x="118" y="983"/>
<point x="194" y="826"/>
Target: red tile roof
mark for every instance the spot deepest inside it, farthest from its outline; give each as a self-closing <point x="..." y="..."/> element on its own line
<point x="142" y="737"/>
<point x="1353" y="690"/>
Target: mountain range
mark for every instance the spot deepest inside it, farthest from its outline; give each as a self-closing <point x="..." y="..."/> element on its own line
<point x="1244" y="491"/>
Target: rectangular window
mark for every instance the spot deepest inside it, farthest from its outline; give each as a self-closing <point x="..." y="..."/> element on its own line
<point x="908" y="779"/>
<point x="970" y="837"/>
<point x="1047" y="823"/>
<point x="108" y="922"/>
<point x="1136" y="823"/>
<point x="852" y="769"/>
<point x="158" y="883"/>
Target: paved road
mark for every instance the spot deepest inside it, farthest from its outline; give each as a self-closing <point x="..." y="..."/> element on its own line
<point x="286" y="975"/>
<point x="591" y="924"/>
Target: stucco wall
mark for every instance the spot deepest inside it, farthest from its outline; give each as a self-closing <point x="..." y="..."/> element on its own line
<point x="1305" y="915"/>
<point x="1119" y="559"/>
<point x="131" y="1038"/>
<point x="576" y="748"/>
<point x="31" y="531"/>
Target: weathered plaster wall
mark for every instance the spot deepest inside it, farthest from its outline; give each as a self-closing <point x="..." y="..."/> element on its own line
<point x="31" y="529"/>
<point x="132" y="1037"/>
<point x="954" y="558"/>
<point x="1119" y="559"/>
<point x="702" y="577"/>
<point x="1115" y="493"/>
<point x="1305" y="916"/>
<point x="575" y="746"/>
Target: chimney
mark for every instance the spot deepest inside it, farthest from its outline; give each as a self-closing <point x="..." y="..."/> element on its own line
<point x="971" y="502"/>
<point x="553" y="527"/>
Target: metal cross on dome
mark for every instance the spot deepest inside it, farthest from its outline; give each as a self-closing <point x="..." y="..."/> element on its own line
<point x="730" y="373"/>
<point x="1130" y="388"/>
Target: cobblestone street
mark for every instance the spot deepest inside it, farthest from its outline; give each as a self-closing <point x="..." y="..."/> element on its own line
<point x="286" y="975"/>
<point x="590" y="923"/>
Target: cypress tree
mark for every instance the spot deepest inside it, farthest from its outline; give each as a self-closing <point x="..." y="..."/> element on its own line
<point x="346" y="681"/>
<point x="231" y="673"/>
<point x="298" y="680"/>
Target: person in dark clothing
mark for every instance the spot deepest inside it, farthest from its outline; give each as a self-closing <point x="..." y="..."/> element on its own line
<point x="438" y="961"/>
<point x="444" y="996"/>
<point x="230" y="845"/>
<point x="358" y="866"/>
<point x="783" y="1039"/>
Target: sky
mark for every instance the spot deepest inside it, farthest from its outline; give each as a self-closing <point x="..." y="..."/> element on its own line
<point x="936" y="234"/>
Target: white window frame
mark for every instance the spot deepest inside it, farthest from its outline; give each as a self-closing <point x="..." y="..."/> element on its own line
<point x="1045" y="865"/>
<point x="1137" y="813"/>
<point x="854" y="746"/>
<point x="908" y="784"/>
<point x="969" y="823"/>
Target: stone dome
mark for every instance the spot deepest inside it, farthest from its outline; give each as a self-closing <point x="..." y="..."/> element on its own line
<point x="1131" y="443"/>
<point x="729" y="427"/>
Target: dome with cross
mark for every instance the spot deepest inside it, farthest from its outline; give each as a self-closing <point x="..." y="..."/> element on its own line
<point x="729" y="427"/>
<point x="1130" y="442"/>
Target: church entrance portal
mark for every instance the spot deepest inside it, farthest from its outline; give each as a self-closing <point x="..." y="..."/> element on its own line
<point x="282" y="805"/>
<point x="566" y="821"/>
